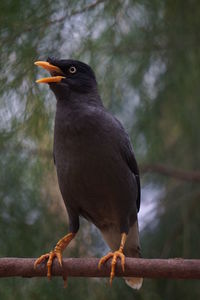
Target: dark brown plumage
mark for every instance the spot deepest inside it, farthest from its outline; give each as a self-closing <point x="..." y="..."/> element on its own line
<point x="97" y="171"/>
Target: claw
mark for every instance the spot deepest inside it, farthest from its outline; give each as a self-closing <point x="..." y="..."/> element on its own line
<point x="115" y="255"/>
<point x="40" y="259"/>
<point x="65" y="282"/>
<point x="57" y="252"/>
<point x="50" y="256"/>
<point x="104" y="259"/>
<point x="59" y="257"/>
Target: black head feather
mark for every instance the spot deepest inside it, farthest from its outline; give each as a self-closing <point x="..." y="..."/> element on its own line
<point x="79" y="76"/>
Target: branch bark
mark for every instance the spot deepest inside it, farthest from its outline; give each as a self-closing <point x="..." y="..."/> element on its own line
<point x="87" y="267"/>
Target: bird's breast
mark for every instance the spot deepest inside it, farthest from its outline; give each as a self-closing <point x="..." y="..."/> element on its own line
<point x="93" y="178"/>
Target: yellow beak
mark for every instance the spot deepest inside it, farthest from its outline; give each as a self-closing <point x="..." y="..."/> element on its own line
<point x="51" y="68"/>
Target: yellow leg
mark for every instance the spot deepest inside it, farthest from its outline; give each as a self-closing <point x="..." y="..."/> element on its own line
<point x="56" y="252"/>
<point x="115" y="255"/>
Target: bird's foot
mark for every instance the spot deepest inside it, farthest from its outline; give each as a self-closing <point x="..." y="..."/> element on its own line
<point x="56" y="252"/>
<point x="115" y="255"/>
<point x="50" y="256"/>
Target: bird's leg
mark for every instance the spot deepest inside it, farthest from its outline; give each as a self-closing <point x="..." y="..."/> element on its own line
<point x="115" y="255"/>
<point x="56" y="252"/>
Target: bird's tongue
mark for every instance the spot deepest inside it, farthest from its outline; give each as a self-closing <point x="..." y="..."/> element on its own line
<point x="52" y="69"/>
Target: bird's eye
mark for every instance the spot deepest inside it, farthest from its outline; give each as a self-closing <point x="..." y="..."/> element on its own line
<point x="72" y="70"/>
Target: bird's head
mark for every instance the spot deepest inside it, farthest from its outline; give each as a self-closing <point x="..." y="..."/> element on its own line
<point x="68" y="76"/>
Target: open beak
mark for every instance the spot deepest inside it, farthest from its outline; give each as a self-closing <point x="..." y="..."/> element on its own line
<point x="52" y="69"/>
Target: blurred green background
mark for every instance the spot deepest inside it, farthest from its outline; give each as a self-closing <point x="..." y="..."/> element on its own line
<point x="146" y="55"/>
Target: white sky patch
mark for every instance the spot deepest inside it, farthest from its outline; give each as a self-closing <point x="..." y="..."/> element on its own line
<point x="148" y="207"/>
<point x="126" y="115"/>
<point x="12" y="107"/>
<point x="157" y="68"/>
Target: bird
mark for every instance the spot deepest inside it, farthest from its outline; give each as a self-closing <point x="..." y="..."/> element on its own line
<point x="97" y="172"/>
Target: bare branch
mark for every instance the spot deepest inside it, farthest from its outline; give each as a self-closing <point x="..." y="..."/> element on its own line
<point x="177" y="173"/>
<point x="87" y="267"/>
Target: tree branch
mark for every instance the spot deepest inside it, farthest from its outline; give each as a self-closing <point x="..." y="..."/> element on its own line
<point x="177" y="173"/>
<point x="87" y="267"/>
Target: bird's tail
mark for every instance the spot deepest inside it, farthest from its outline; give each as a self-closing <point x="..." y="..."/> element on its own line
<point x="134" y="282"/>
<point x="132" y="249"/>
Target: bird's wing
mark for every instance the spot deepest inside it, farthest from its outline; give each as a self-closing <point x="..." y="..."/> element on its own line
<point x="131" y="161"/>
<point x="129" y="157"/>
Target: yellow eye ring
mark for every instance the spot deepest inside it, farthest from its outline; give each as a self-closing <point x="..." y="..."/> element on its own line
<point x="72" y="70"/>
